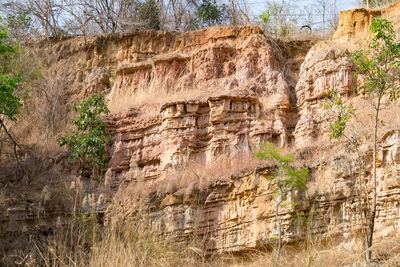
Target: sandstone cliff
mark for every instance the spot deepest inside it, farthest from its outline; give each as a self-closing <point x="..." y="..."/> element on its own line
<point x="190" y="109"/>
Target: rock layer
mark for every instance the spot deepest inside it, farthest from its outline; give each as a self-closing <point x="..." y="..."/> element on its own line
<point x="190" y="107"/>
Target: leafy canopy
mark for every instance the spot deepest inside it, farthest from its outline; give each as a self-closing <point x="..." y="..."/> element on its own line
<point x="9" y="81"/>
<point x="209" y="13"/>
<point x="285" y="178"/>
<point x="87" y="143"/>
<point x="149" y="12"/>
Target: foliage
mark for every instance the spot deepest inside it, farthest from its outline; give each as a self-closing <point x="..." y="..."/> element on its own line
<point x="344" y="114"/>
<point x="265" y="17"/>
<point x="19" y="24"/>
<point x="9" y="102"/>
<point x="284" y="179"/>
<point x="87" y="144"/>
<point x="150" y="12"/>
<point x="279" y="18"/>
<point x="209" y="13"/>
<point x="380" y="62"/>
<point x="379" y="65"/>
<point x="9" y="81"/>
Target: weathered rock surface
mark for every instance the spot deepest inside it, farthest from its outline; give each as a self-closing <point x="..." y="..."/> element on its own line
<point x="354" y="23"/>
<point x="240" y="98"/>
<point x="188" y="107"/>
<point x="235" y="212"/>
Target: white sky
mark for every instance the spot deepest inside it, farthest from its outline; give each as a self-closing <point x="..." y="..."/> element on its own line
<point x="256" y="7"/>
<point x="341" y="4"/>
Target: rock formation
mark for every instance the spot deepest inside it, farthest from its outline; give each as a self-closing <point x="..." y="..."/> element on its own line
<point x="190" y="109"/>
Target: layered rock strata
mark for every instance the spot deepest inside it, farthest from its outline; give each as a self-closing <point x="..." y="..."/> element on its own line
<point x="183" y="101"/>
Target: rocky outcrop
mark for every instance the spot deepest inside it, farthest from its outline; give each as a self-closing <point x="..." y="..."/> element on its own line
<point x="353" y="24"/>
<point x="235" y="96"/>
<point x="325" y="68"/>
<point x="235" y="212"/>
<point x="190" y="109"/>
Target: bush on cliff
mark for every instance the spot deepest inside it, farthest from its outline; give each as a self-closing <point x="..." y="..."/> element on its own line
<point x="87" y="143"/>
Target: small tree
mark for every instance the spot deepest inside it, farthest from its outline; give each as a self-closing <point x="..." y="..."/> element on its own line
<point x="284" y="179"/>
<point x="9" y="82"/>
<point x="149" y="12"/>
<point x="209" y="13"/>
<point x="280" y="18"/>
<point x="379" y="65"/>
<point x="87" y="144"/>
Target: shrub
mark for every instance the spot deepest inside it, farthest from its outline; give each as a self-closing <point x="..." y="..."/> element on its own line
<point x="87" y="144"/>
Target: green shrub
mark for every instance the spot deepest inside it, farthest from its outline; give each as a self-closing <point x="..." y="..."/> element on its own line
<point x="87" y="143"/>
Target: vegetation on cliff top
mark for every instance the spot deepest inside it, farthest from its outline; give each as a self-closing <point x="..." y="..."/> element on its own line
<point x="60" y="18"/>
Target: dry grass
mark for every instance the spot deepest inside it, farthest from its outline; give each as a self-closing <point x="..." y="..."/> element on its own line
<point x="149" y="96"/>
<point x="382" y="4"/>
<point x="193" y="177"/>
<point x="202" y="176"/>
<point x="137" y="242"/>
<point x="140" y="244"/>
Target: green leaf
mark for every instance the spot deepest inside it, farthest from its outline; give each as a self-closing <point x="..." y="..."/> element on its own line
<point x="87" y="143"/>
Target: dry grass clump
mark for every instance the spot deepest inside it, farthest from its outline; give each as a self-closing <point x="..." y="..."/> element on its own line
<point x="139" y="244"/>
<point x="192" y="177"/>
<point x="86" y="241"/>
<point x="203" y="175"/>
<point x="153" y="93"/>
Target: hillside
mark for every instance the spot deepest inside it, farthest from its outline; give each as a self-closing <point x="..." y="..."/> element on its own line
<point x="188" y="111"/>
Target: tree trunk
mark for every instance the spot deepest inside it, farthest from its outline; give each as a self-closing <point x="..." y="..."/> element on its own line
<point x="373" y="210"/>
<point x="278" y="226"/>
<point x="364" y="217"/>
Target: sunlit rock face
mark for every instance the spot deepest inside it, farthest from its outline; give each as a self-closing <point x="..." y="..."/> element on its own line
<point x="247" y="100"/>
<point x="188" y="111"/>
<point x="215" y="92"/>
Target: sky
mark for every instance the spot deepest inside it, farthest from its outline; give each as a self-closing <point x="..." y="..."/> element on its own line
<point x="341" y="4"/>
<point x="256" y="7"/>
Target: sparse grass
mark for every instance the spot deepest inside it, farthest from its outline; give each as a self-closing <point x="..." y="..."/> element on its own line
<point x="150" y="96"/>
<point x="203" y="175"/>
<point x="139" y="243"/>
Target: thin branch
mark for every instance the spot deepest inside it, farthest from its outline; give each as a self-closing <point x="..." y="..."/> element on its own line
<point x="15" y="145"/>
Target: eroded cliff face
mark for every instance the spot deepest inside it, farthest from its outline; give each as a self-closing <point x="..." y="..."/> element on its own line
<point x="190" y="109"/>
<point x="157" y="162"/>
<point x="235" y="212"/>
